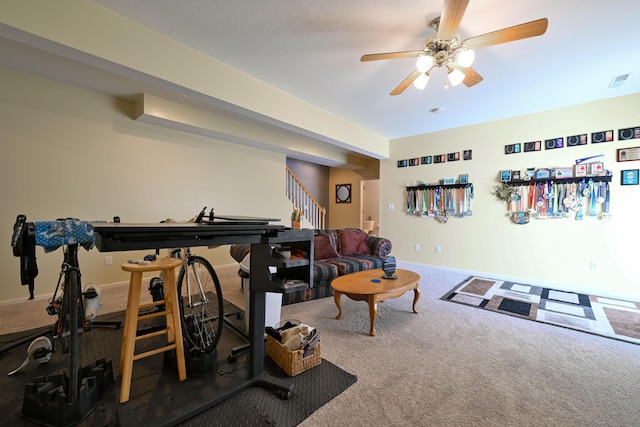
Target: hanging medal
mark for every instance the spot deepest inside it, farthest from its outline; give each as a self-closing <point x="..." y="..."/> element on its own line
<point x="558" y="200"/>
<point x="532" y="200"/>
<point x="542" y="201"/>
<point x="553" y="202"/>
<point x="441" y="214"/>
<point x="567" y="193"/>
<point x="550" y="211"/>
<point x="468" y="195"/>
<point x="572" y="201"/>
<point x="454" y="202"/>
<point x="600" y="199"/>
<point x="592" y="188"/>
<point x="432" y="202"/>
<point x="607" y="202"/>
<point x="581" y="192"/>
<point x="425" y="197"/>
<point x="521" y="216"/>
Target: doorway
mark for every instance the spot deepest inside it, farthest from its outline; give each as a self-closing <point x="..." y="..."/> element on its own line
<point x="370" y="206"/>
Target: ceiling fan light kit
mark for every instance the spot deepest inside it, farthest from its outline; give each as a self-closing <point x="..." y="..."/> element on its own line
<point x="425" y="63"/>
<point x="421" y="81"/>
<point x="465" y="57"/>
<point x="456" y="77"/>
<point x="445" y="49"/>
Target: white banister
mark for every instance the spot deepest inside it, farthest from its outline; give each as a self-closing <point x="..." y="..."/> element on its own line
<point x="303" y="200"/>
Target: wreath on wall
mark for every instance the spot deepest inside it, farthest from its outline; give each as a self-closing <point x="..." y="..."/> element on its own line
<point x="505" y="192"/>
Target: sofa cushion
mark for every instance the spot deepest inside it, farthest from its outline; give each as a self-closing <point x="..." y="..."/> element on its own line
<point x="324" y="271"/>
<point x="333" y="237"/>
<point x="322" y="248"/>
<point x="352" y="264"/>
<point x="353" y="241"/>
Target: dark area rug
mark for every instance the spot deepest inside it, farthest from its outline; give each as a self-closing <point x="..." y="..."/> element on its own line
<point x="608" y="317"/>
<point x="158" y="398"/>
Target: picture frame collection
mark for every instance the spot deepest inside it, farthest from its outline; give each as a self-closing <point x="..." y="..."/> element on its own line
<point x="626" y="134"/>
<point x="434" y="159"/>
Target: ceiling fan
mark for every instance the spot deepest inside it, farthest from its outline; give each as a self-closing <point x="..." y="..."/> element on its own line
<point x="445" y="49"/>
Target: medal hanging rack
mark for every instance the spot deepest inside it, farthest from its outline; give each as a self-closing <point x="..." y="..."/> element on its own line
<point x="440" y="201"/>
<point x="549" y="198"/>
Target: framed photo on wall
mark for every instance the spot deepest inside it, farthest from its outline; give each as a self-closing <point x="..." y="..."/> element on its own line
<point x="628" y="154"/>
<point x="629" y="177"/>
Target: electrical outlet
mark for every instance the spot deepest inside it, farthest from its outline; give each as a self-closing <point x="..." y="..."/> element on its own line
<point x="417" y="246"/>
<point x="593" y="265"/>
<point x="438" y="249"/>
<point x="108" y="260"/>
<point x="390" y="206"/>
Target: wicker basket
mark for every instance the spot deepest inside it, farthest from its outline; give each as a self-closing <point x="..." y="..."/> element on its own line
<point x="292" y="362"/>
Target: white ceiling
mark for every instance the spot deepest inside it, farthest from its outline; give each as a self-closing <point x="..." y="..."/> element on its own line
<point x="312" y="49"/>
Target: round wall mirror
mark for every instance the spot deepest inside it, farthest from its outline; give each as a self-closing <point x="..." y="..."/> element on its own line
<point x="343" y="193"/>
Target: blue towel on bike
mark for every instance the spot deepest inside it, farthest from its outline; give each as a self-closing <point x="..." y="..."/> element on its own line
<point x="53" y="234"/>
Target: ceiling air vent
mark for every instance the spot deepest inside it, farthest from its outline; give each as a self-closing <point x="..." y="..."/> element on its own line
<point x="618" y="81"/>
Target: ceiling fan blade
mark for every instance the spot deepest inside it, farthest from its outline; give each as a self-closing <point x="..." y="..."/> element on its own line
<point x="390" y="55"/>
<point x="517" y="32"/>
<point x="405" y="83"/>
<point x="471" y="77"/>
<point x="452" y="13"/>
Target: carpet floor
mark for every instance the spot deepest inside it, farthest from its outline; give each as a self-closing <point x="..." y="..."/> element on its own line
<point x="607" y="317"/>
<point x="158" y="398"/>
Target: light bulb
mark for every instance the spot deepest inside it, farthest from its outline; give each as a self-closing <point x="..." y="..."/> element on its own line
<point x="465" y="58"/>
<point x="424" y="63"/>
<point x="421" y="81"/>
<point x="456" y="77"/>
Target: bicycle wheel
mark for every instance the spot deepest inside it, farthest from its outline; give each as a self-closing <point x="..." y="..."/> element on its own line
<point x="201" y="304"/>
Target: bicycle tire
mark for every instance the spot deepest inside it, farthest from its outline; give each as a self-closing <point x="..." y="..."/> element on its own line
<point x="201" y="304"/>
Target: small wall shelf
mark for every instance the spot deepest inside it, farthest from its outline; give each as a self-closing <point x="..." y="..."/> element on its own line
<point x="561" y="180"/>
<point x="429" y="186"/>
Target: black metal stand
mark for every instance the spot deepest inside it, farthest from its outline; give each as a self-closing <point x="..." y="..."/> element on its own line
<point x="61" y="400"/>
<point x="238" y="330"/>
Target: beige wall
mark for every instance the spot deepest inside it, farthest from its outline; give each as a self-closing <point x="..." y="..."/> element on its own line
<point x="68" y="152"/>
<point x="71" y="152"/>
<point x="556" y="252"/>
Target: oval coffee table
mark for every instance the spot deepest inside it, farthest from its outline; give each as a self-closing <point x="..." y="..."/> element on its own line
<point x="359" y="287"/>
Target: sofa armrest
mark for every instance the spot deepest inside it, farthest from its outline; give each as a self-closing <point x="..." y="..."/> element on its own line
<point x="379" y="245"/>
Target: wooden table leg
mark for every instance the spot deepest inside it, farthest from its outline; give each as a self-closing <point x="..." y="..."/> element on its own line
<point x="373" y="312"/>
<point x="336" y="298"/>
<point x="416" y="297"/>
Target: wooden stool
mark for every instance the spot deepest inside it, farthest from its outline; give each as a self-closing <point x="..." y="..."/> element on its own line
<point x="172" y="313"/>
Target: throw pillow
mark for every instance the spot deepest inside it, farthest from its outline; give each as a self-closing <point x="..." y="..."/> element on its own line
<point x="322" y="248"/>
<point x="353" y="242"/>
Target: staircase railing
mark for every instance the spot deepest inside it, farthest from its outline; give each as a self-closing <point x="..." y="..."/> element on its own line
<point x="303" y="200"/>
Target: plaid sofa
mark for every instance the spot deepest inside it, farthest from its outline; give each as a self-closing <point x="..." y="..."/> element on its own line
<point x="327" y="269"/>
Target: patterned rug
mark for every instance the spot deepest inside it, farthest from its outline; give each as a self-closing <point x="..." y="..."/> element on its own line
<point x="607" y="317"/>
